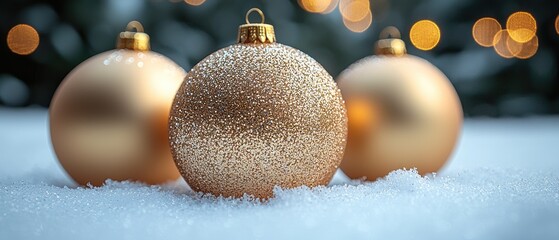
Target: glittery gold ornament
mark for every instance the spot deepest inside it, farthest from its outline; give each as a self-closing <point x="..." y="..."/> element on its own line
<point x="256" y="115"/>
<point x="108" y="118"/>
<point x="402" y="113"/>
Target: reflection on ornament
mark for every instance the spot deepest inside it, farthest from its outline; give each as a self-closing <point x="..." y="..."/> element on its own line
<point x="402" y="113"/>
<point x="108" y="118"/>
<point x="255" y="115"/>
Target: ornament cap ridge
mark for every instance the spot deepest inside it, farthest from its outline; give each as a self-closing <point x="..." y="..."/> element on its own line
<point x="390" y="43"/>
<point x="137" y="40"/>
<point x="256" y="32"/>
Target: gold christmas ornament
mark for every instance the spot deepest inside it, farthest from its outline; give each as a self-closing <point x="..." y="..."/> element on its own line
<point x="108" y="118"/>
<point x="255" y="115"/>
<point x="402" y="113"/>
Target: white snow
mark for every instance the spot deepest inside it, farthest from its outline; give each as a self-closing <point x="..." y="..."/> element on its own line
<point x="502" y="183"/>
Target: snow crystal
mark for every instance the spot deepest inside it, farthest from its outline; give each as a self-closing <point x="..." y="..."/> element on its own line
<point x="502" y="183"/>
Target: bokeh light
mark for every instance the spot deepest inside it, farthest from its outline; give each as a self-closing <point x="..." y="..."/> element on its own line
<point x="355" y="10"/>
<point x="500" y="44"/>
<point x="316" y="6"/>
<point x="331" y="7"/>
<point x="361" y="25"/>
<point x="194" y="2"/>
<point x="23" y="39"/>
<point x="521" y="26"/>
<point x="13" y="91"/>
<point x="513" y="46"/>
<point x="529" y="49"/>
<point x="425" y="35"/>
<point x="484" y="31"/>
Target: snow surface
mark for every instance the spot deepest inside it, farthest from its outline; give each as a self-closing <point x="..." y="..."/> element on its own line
<point x="502" y="183"/>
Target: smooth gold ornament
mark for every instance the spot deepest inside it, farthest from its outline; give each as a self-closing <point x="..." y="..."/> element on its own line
<point x="402" y="113"/>
<point x="256" y="115"/>
<point x="108" y="118"/>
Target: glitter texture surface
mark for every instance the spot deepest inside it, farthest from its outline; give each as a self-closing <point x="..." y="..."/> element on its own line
<point x="253" y="116"/>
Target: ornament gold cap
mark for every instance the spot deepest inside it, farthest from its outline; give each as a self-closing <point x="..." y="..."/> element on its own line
<point x="390" y="43"/>
<point x="256" y="32"/>
<point x="138" y="40"/>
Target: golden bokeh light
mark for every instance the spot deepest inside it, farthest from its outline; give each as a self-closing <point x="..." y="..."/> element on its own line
<point x="345" y="3"/>
<point x="315" y="6"/>
<point x="23" y="39"/>
<point x="513" y="46"/>
<point x="355" y="10"/>
<point x="194" y="2"/>
<point x="331" y="7"/>
<point x="501" y="46"/>
<point x="521" y="26"/>
<point x="529" y="49"/>
<point x="484" y="31"/>
<point x="557" y="24"/>
<point x="425" y="35"/>
<point x="361" y="25"/>
<point x="507" y="47"/>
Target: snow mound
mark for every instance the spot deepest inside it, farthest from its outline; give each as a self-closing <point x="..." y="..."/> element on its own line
<point x="477" y="204"/>
<point x="476" y="197"/>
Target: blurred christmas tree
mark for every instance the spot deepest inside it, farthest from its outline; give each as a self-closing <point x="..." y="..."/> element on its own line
<point x="186" y="31"/>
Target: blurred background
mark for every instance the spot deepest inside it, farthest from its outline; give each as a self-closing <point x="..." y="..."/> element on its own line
<point x="496" y="72"/>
